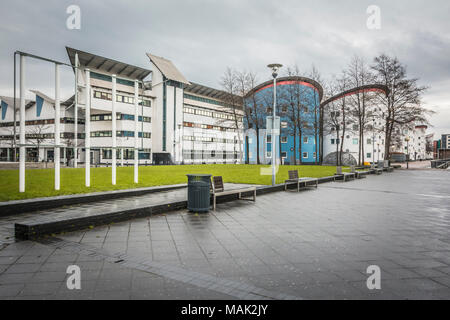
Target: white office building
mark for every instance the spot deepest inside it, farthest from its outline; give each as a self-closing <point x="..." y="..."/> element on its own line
<point x="172" y="120"/>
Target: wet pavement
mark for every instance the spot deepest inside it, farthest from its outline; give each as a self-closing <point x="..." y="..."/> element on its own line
<point x="316" y="244"/>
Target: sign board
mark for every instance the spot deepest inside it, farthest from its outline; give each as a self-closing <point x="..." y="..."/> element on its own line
<point x="270" y="128"/>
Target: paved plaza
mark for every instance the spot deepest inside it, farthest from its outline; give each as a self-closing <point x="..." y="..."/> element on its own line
<point x="316" y="244"/>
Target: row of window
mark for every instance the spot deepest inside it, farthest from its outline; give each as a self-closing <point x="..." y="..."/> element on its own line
<point x="120" y="98"/>
<point x="119" y="116"/>
<point x="305" y="155"/>
<point x="43" y="136"/>
<point x="209" y="154"/>
<point x="101" y="134"/>
<point x="207" y="126"/>
<point x="41" y="122"/>
<point x="207" y="113"/>
<point x="209" y="139"/>
<point x="355" y="140"/>
<point x="202" y="99"/>
<point x="128" y="154"/>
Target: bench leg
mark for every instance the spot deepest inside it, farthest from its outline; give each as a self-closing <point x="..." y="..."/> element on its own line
<point x="254" y="195"/>
<point x="298" y="186"/>
<point x="214" y="202"/>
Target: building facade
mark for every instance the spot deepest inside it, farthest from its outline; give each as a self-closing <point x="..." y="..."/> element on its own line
<point x="298" y="106"/>
<point x="172" y="121"/>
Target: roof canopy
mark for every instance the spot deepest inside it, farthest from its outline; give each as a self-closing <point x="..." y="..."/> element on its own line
<point x="168" y="69"/>
<point x="202" y="90"/>
<point x="93" y="61"/>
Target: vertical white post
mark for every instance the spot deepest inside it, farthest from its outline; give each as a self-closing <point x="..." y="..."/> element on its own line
<point x="57" y="129"/>
<point x="114" y="128"/>
<point x="136" y="132"/>
<point x="75" y="107"/>
<point x="274" y="150"/>
<point x="22" y="126"/>
<point x="87" y="129"/>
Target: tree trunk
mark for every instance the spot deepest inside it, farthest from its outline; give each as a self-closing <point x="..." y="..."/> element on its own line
<point x="257" y="146"/>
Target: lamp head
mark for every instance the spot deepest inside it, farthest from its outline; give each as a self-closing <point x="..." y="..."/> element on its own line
<point x="275" y="68"/>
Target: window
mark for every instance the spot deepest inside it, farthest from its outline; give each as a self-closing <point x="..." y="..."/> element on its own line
<point x="269" y="139"/>
<point x="284" y="124"/>
<point x="332" y="141"/>
<point x="355" y="140"/>
<point x="213" y="153"/>
<point x="305" y="139"/>
<point x="369" y="155"/>
<point x="314" y="155"/>
<point x="283" y="154"/>
<point x="284" y="139"/>
<point x="305" y="155"/>
<point x="369" y="141"/>
<point x="269" y="154"/>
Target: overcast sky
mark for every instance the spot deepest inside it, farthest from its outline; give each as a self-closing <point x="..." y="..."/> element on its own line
<point x="202" y="38"/>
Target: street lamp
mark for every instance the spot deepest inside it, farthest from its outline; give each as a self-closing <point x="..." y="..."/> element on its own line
<point x="275" y="67"/>
<point x="373" y="141"/>
<point x="407" y="152"/>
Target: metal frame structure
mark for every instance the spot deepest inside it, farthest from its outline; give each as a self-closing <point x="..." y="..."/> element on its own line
<point x="57" y="140"/>
<point x="22" y="142"/>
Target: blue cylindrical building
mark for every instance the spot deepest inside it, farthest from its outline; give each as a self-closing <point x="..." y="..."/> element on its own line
<point x="298" y="106"/>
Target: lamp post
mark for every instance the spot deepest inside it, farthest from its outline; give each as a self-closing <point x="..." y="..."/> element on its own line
<point x="373" y="141"/>
<point x="275" y="67"/>
<point x="407" y="152"/>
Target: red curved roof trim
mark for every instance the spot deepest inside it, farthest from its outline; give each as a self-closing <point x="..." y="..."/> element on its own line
<point x="359" y="91"/>
<point x="286" y="83"/>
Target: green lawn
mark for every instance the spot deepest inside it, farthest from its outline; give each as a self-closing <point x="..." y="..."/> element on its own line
<point x="40" y="182"/>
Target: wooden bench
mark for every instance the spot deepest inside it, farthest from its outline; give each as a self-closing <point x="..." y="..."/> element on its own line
<point x="294" y="178"/>
<point x="360" y="174"/>
<point x="375" y="170"/>
<point x="218" y="190"/>
<point x="345" y="175"/>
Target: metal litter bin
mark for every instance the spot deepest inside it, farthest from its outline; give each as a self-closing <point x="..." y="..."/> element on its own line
<point x="199" y="192"/>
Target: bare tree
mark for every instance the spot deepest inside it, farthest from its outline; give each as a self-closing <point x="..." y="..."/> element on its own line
<point x="402" y="105"/>
<point x="230" y="84"/>
<point x="255" y="107"/>
<point x="317" y="123"/>
<point x="36" y="135"/>
<point x="360" y="75"/>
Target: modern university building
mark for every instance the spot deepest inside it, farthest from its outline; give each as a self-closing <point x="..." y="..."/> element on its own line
<point x="121" y="109"/>
<point x="298" y="106"/>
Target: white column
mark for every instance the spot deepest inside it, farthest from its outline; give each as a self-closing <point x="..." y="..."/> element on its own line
<point x="274" y="150"/>
<point x="114" y="128"/>
<point x="57" y="130"/>
<point x="22" y="149"/>
<point x="136" y="131"/>
<point x="75" y="107"/>
<point x="87" y="129"/>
